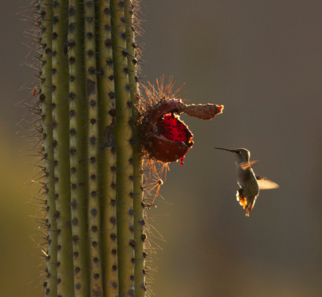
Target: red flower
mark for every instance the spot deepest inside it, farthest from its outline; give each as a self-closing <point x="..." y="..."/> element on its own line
<point x="163" y="135"/>
<point x="167" y="138"/>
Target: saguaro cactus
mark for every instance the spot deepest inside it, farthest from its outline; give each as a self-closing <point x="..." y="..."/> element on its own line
<point x="96" y="136"/>
<point x="87" y="97"/>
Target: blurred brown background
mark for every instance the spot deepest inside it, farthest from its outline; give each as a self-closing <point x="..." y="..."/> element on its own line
<point x="263" y="61"/>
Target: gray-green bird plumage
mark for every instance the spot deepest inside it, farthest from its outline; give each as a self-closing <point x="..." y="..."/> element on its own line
<point x="249" y="183"/>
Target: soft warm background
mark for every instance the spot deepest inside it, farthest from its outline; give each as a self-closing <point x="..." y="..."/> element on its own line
<point x="263" y="61"/>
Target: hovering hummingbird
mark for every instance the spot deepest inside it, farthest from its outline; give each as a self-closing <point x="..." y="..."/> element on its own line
<point x="249" y="183"/>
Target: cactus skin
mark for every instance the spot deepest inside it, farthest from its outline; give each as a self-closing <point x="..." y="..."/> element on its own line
<point x="87" y="96"/>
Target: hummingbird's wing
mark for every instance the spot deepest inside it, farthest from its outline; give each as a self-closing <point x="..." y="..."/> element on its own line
<point x="265" y="184"/>
<point x="247" y="165"/>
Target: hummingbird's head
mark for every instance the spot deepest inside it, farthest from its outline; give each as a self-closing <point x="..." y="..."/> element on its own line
<point x="241" y="155"/>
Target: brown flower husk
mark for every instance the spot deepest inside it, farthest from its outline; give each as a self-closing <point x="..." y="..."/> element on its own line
<point x="162" y="102"/>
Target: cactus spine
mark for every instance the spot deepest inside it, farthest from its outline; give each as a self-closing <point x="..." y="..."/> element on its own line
<point x="94" y="194"/>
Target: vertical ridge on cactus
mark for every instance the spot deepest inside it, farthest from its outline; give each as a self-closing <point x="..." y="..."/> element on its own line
<point x="77" y="129"/>
<point x="107" y="164"/>
<point x="45" y="98"/>
<point x="96" y="286"/>
<point x="130" y="10"/>
<point x="60" y="112"/>
<point x="124" y="149"/>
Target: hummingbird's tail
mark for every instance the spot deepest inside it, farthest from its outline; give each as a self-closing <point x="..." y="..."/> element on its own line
<point x="246" y="202"/>
<point x="249" y="207"/>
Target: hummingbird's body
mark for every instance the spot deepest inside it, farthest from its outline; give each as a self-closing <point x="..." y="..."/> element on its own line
<point x="249" y="191"/>
<point x="249" y="183"/>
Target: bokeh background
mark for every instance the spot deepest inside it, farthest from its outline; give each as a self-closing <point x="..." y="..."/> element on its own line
<point x="263" y="61"/>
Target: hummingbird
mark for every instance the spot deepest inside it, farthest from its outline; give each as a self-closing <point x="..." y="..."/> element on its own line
<point x="249" y="183"/>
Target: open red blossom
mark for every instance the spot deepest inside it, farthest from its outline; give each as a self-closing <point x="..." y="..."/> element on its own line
<point x="167" y="138"/>
<point x="164" y="136"/>
<point x="172" y="128"/>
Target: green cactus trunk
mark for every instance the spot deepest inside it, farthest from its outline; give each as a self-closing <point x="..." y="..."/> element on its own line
<point x="93" y="165"/>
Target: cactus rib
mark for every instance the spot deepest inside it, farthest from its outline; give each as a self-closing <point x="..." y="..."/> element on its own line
<point x="77" y="123"/>
<point x="107" y="106"/>
<point x="139" y="236"/>
<point x="94" y="227"/>
<point x="60" y="144"/>
<point x="124" y="142"/>
<point x="45" y="97"/>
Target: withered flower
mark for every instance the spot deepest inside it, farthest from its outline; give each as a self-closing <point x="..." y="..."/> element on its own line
<point x="163" y="134"/>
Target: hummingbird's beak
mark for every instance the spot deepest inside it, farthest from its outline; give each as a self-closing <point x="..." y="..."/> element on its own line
<point x="224" y="149"/>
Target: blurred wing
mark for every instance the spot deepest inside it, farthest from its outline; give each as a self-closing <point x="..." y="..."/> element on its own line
<point x="265" y="184"/>
<point x="247" y="165"/>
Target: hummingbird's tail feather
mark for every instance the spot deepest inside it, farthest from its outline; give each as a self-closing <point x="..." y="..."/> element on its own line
<point x="245" y="202"/>
<point x="249" y="207"/>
